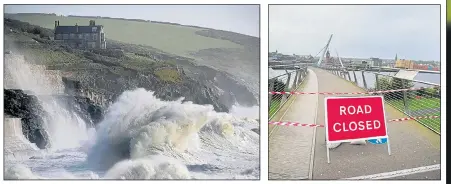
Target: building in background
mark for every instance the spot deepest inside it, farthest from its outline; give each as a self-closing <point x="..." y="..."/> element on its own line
<point x="84" y="37"/>
<point x="376" y="62"/>
<point x="404" y="64"/>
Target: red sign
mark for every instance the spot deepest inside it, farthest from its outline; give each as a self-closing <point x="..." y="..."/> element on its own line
<point x="351" y="118"/>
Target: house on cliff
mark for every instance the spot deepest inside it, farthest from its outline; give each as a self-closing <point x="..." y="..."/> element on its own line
<point x="84" y="37"/>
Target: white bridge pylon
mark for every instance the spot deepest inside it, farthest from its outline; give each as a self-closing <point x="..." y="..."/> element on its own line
<point x="324" y="51"/>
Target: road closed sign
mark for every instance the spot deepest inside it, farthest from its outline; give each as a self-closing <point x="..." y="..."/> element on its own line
<point x="355" y="118"/>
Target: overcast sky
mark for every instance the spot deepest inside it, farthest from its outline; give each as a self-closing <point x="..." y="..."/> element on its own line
<point x="243" y="19"/>
<point x="411" y="31"/>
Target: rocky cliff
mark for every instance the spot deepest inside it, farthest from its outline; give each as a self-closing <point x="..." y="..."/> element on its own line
<point x="19" y="104"/>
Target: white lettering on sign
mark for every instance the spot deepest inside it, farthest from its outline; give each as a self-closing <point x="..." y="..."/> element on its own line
<point x="351" y="110"/>
<point x="353" y="126"/>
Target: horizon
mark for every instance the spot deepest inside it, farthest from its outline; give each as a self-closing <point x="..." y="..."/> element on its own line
<point x="351" y="57"/>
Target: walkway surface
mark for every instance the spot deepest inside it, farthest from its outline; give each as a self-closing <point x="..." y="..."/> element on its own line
<point x="413" y="147"/>
<point x="290" y="148"/>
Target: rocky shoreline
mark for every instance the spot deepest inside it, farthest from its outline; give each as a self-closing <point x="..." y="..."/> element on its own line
<point x="94" y="79"/>
<point x="19" y="104"/>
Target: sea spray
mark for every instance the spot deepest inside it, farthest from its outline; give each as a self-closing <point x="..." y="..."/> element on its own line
<point x="138" y="126"/>
<point x="19" y="172"/>
<point x="65" y="128"/>
<point x="143" y="137"/>
<point x="245" y="112"/>
<point x="154" y="167"/>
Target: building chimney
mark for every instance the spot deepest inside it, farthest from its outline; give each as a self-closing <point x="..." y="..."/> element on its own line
<point x="58" y="23"/>
<point x="55" y="24"/>
<point x="76" y="27"/>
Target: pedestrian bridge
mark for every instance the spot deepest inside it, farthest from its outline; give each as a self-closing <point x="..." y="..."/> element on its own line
<point x="299" y="152"/>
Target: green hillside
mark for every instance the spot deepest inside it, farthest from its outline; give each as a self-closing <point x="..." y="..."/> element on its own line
<point x="448" y="14"/>
<point x="179" y="40"/>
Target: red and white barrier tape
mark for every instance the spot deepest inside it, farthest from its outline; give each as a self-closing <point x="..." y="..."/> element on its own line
<point x="294" y="124"/>
<point x="421" y="117"/>
<point x="315" y="125"/>
<point x="341" y="93"/>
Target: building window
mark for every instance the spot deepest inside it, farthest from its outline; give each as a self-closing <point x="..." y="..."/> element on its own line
<point x="72" y="36"/>
<point x="65" y="36"/>
<point x="94" y="36"/>
<point x="94" y="29"/>
<point x="58" y="37"/>
<point x="86" y="36"/>
<point x="80" y="36"/>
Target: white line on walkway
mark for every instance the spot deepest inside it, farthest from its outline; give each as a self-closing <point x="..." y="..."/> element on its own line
<point x="397" y="173"/>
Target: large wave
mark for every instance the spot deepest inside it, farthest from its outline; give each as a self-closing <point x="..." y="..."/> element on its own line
<point x="140" y="137"/>
<point x="156" y="167"/>
<point x="139" y="125"/>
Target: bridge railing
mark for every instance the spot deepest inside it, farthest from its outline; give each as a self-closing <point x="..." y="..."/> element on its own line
<point x="285" y="82"/>
<point x="422" y="100"/>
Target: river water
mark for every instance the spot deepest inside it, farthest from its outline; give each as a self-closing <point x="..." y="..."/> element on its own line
<point x="370" y="77"/>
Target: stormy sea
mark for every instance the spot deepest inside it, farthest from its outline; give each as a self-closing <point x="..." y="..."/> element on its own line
<point x="138" y="137"/>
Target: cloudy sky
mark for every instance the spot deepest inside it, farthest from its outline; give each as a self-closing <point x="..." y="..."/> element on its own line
<point x="411" y="31"/>
<point x="243" y="19"/>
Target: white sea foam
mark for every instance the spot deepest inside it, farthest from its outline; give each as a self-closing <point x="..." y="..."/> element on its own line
<point x="142" y="137"/>
<point x="139" y="125"/>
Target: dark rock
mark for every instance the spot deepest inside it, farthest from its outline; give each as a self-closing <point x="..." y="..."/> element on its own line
<point x="27" y="107"/>
<point x="110" y="85"/>
<point x="256" y="130"/>
<point x="85" y="108"/>
<point x="191" y="90"/>
<point x="71" y="86"/>
<point x="36" y="157"/>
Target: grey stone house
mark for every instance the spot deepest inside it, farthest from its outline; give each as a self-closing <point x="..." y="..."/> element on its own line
<point x="84" y="37"/>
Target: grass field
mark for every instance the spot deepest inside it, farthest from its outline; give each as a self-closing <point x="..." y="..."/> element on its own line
<point x="169" y="75"/>
<point x="275" y="104"/>
<point x="417" y="104"/>
<point x="448" y="14"/>
<point x="179" y="40"/>
<point x="423" y="104"/>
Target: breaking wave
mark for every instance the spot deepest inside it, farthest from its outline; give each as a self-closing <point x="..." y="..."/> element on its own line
<point x="140" y="137"/>
<point x="19" y="172"/>
<point x="157" y="167"/>
<point x="65" y="128"/>
<point x="138" y="128"/>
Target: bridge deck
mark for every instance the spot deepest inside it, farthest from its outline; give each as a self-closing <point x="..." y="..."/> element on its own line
<point x="290" y="147"/>
<point x="412" y="145"/>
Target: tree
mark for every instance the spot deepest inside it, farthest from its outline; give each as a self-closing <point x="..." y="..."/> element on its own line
<point x="393" y="83"/>
<point x="278" y="87"/>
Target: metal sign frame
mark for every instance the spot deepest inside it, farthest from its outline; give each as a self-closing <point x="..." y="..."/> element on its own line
<point x="349" y="140"/>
